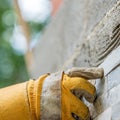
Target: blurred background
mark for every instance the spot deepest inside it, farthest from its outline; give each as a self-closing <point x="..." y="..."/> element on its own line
<point x="21" y="26"/>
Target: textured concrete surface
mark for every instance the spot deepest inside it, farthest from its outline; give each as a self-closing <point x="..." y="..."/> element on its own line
<point x="106" y="115"/>
<point x="115" y="111"/>
<point x="67" y="31"/>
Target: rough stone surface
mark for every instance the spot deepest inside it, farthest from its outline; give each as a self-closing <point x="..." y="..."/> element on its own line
<point x="113" y="78"/>
<point x="106" y="115"/>
<point x="67" y="30"/>
<point x="115" y="111"/>
<point x="101" y="41"/>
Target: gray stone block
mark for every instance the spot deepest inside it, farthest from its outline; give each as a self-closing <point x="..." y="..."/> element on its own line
<point x="105" y="101"/>
<point x="108" y="82"/>
<point x="106" y="115"/>
<point x="113" y="78"/>
<point x="116" y="111"/>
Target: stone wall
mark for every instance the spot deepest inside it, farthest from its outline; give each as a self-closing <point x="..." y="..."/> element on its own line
<point x="84" y="34"/>
<point x="71" y="26"/>
<point x="107" y="104"/>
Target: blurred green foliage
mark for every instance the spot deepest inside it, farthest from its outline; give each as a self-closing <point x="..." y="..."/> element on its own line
<point x="12" y="64"/>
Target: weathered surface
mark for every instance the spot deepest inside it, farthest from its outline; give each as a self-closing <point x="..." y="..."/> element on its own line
<point x="67" y="30"/>
<point x="103" y="39"/>
<point x="51" y="97"/>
